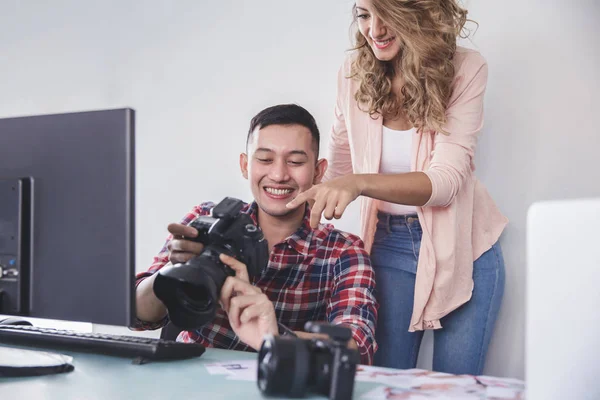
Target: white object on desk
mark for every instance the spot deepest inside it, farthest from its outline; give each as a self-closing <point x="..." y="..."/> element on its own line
<point x="22" y="362"/>
<point x="238" y="370"/>
<point x="563" y="300"/>
<point x="22" y="358"/>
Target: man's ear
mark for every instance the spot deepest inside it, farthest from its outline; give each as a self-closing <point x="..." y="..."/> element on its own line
<point x="320" y="170"/>
<point x="244" y="164"/>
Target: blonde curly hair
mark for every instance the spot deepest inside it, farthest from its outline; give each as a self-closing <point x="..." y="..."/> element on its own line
<point x="427" y="30"/>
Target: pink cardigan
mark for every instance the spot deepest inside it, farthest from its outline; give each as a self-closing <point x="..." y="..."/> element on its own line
<point x="460" y="221"/>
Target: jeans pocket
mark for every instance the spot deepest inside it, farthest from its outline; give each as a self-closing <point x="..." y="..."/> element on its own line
<point x="395" y="250"/>
<point x="380" y="234"/>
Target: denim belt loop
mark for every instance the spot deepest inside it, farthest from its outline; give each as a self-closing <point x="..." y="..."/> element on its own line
<point x="388" y="223"/>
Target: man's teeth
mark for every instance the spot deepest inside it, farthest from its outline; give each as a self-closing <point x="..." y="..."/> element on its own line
<point x="278" y="192"/>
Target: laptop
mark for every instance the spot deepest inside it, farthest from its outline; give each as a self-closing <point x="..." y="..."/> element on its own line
<point x="563" y="300"/>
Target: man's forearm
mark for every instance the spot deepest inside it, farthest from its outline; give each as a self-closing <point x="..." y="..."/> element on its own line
<point x="148" y="307"/>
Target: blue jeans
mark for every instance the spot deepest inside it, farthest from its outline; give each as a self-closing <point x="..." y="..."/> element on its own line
<point x="461" y="345"/>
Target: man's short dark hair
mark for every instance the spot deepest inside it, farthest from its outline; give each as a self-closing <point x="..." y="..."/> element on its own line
<point x="285" y="114"/>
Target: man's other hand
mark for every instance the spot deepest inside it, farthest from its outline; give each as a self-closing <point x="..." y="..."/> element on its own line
<point x="181" y="249"/>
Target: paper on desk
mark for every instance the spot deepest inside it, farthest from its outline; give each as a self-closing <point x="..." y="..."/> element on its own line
<point x="242" y="370"/>
<point x="396" y="393"/>
<point x="502" y="382"/>
<point x="387" y="376"/>
<point x="214" y="369"/>
<point x="420" y="384"/>
<point x="413" y="384"/>
<point x="410" y="378"/>
<point x="244" y="375"/>
<point x="493" y="392"/>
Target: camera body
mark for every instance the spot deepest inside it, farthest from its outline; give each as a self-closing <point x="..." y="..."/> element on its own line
<point x="291" y="367"/>
<point x="191" y="290"/>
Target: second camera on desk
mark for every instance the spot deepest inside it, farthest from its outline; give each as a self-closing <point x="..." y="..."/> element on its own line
<point x="293" y="367"/>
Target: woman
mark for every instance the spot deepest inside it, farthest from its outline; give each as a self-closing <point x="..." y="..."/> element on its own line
<point x="409" y="110"/>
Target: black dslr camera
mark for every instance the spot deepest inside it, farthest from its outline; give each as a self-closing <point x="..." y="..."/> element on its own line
<point x="190" y="290"/>
<point x="291" y="367"/>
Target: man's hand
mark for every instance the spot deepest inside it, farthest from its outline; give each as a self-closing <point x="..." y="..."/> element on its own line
<point x="181" y="249"/>
<point x="329" y="198"/>
<point x="250" y="312"/>
<point x="241" y="271"/>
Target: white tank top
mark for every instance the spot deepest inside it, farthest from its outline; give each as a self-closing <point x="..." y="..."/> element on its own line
<point x="395" y="158"/>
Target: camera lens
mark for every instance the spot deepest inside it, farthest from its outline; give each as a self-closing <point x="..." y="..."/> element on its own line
<point x="283" y="367"/>
<point x="196" y="298"/>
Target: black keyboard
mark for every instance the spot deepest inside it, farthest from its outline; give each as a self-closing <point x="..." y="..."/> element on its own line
<point x="137" y="347"/>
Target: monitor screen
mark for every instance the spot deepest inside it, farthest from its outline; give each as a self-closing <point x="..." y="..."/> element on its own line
<point x="67" y="216"/>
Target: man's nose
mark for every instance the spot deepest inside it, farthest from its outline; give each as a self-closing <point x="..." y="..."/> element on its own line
<point x="279" y="171"/>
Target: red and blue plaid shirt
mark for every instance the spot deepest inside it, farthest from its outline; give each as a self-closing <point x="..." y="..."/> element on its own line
<point x="314" y="275"/>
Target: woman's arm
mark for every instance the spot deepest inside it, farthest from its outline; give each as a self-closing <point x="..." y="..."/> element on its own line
<point x="450" y="165"/>
<point x="331" y="198"/>
<point x="412" y="188"/>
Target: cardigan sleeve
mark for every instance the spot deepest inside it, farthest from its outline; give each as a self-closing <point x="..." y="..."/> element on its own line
<point x="453" y="153"/>
<point x="339" y="156"/>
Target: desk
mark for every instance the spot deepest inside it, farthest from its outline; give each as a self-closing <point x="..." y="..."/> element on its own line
<point x="107" y="378"/>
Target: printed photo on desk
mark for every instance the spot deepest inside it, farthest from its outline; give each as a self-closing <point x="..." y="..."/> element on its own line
<point x="423" y="384"/>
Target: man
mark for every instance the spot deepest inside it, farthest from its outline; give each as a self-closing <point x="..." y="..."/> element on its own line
<point x="317" y="274"/>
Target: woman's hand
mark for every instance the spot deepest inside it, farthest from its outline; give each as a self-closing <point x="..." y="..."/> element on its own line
<point x="329" y="198"/>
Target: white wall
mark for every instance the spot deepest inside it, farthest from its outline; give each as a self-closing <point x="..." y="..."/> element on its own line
<point x="541" y="134"/>
<point x="196" y="72"/>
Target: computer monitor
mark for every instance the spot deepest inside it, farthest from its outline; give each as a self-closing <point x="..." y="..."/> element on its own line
<point x="67" y="220"/>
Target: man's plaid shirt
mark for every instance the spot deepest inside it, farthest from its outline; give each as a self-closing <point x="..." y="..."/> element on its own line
<point x="314" y="275"/>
